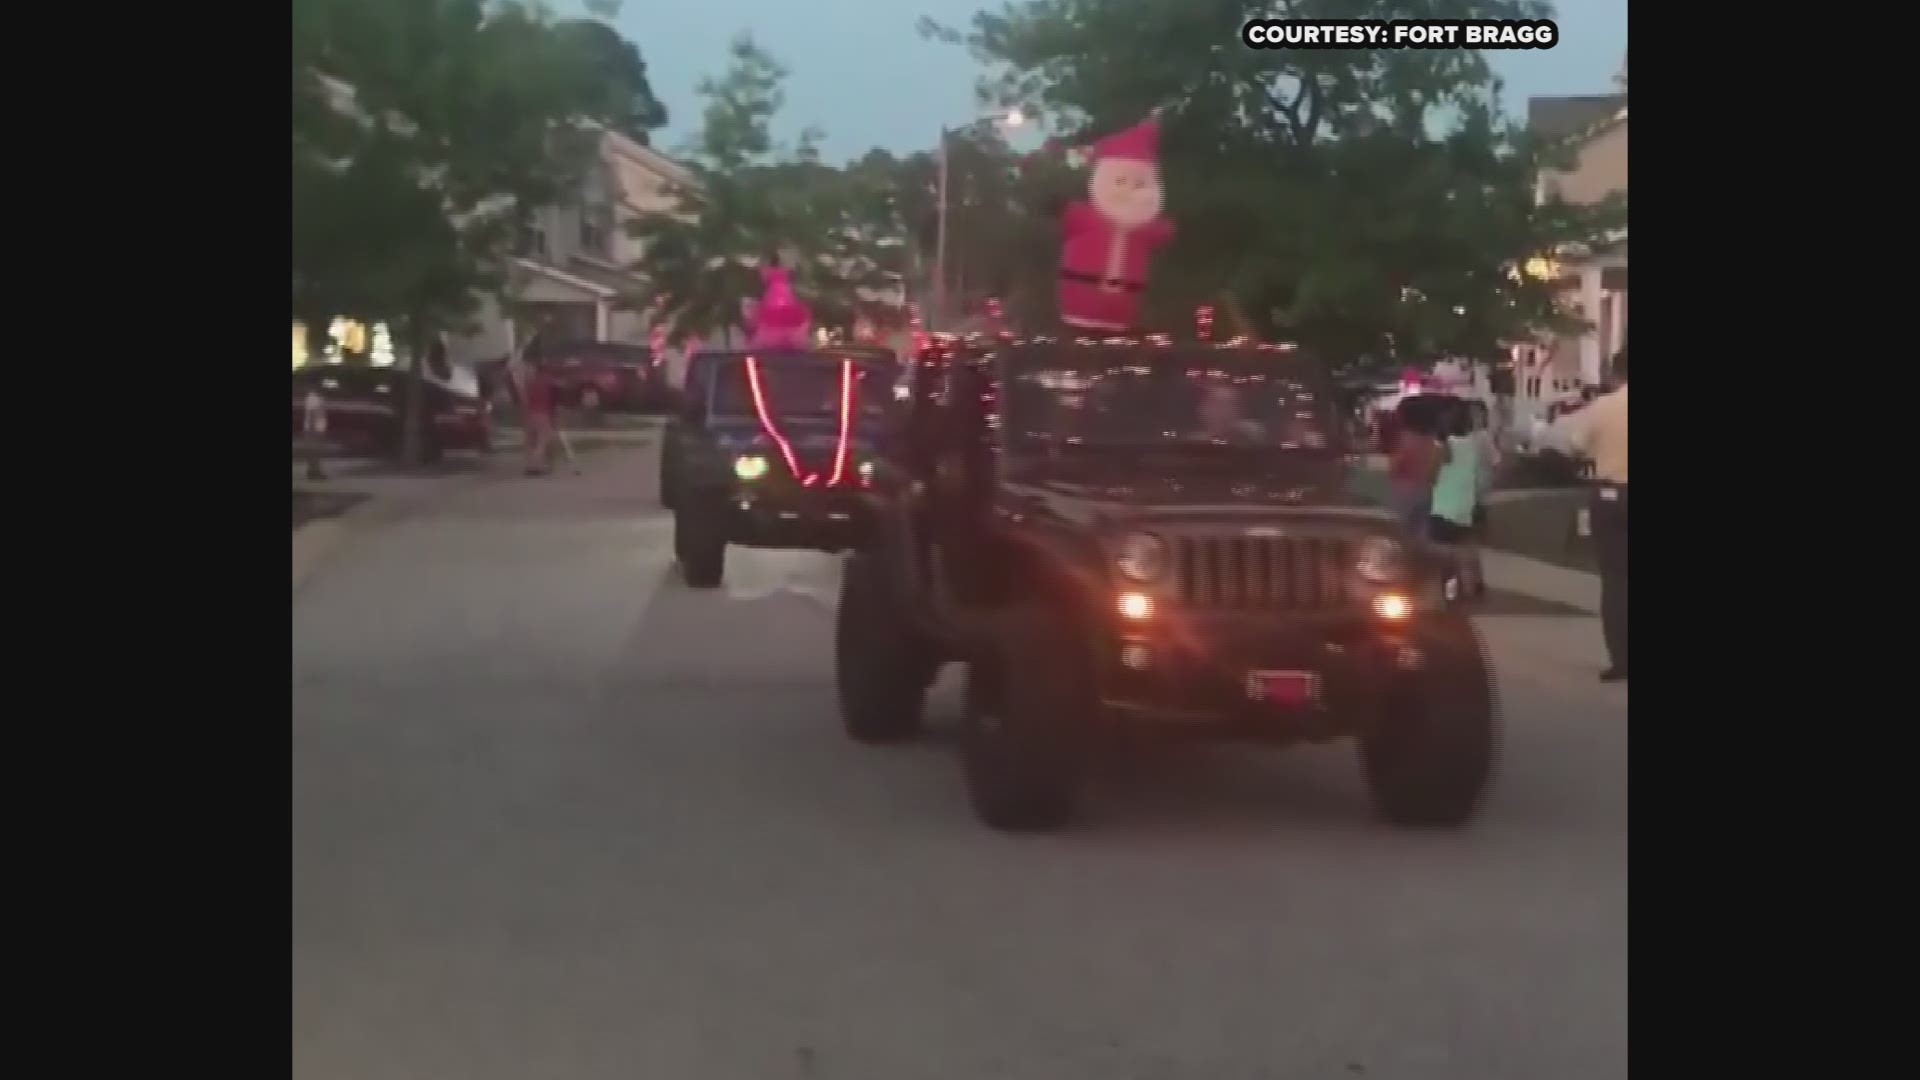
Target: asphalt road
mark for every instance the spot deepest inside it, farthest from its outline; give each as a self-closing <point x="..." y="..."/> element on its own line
<point x="556" y="817"/>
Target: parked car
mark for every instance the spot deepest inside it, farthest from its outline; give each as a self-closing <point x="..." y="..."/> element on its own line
<point x="604" y="376"/>
<point x="1157" y="542"/>
<point x="363" y="407"/>
<point x="772" y="450"/>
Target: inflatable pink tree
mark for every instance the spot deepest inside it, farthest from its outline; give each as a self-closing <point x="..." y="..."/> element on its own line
<point x="781" y="320"/>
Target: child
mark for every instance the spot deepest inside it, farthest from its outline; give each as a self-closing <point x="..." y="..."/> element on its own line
<point x="1456" y="494"/>
<point x="314" y="421"/>
<point x="1413" y="460"/>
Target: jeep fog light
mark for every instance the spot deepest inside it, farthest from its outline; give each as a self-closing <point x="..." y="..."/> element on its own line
<point x="1392" y="607"/>
<point x="1135" y="605"/>
<point x="1142" y="557"/>
<point x="1380" y="560"/>
<point x="750" y="467"/>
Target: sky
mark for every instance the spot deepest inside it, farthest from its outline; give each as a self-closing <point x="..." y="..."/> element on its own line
<point x="859" y="71"/>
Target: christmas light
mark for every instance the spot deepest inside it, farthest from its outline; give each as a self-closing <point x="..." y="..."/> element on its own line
<point x="382" y="354"/>
<point x="772" y="430"/>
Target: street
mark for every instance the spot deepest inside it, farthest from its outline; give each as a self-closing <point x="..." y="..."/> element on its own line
<point x="557" y="817"/>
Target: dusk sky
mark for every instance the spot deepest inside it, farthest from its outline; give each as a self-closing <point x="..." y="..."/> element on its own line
<point x="860" y="72"/>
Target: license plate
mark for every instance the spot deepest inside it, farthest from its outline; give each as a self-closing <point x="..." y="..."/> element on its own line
<point x="1287" y="689"/>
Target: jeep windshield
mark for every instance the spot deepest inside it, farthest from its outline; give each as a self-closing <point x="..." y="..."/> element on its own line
<point x="1154" y="399"/>
<point x="800" y="386"/>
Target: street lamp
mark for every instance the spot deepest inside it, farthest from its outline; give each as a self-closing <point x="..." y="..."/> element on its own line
<point x="1012" y="118"/>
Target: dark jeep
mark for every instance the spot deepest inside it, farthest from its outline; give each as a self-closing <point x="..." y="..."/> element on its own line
<point x="771" y="449"/>
<point x="1156" y="540"/>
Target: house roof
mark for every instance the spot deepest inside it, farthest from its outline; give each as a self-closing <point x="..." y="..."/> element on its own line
<point x="1565" y="117"/>
<point x="571" y="280"/>
<point x="622" y="283"/>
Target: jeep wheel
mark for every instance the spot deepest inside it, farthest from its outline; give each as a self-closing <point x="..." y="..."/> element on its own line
<point x="881" y="666"/>
<point x="1026" y="709"/>
<point x="1429" y="756"/>
<point x="700" y="547"/>
<point x="666" y="484"/>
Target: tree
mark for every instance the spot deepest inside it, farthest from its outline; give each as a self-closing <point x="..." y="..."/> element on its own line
<point x="425" y="134"/>
<point x="1366" y="203"/>
<point x="752" y="199"/>
<point x="629" y="105"/>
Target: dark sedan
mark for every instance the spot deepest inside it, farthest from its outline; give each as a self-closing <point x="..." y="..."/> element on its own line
<point x="604" y="376"/>
<point x="363" y="407"/>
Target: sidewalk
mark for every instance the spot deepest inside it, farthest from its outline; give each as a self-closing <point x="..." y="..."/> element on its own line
<point x="390" y="496"/>
<point x="1543" y="581"/>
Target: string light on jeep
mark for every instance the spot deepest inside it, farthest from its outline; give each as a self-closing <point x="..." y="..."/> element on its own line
<point x="841" y="445"/>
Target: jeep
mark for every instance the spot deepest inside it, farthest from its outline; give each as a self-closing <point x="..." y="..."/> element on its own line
<point x="1128" y="538"/>
<point x="772" y="450"/>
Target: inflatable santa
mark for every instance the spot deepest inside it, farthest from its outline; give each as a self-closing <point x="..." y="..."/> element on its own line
<point x="780" y="320"/>
<point x="1109" y="238"/>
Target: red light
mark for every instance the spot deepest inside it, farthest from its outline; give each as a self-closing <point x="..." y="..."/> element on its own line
<point x="765" y="416"/>
<point x="846" y="422"/>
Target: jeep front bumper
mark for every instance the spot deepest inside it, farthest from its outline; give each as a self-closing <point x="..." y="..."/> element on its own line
<point x="1207" y="677"/>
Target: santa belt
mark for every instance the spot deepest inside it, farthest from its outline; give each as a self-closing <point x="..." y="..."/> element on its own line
<point x="1105" y="283"/>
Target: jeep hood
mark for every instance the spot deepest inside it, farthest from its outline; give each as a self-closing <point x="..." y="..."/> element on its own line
<point x="1096" y="495"/>
<point x="806" y="437"/>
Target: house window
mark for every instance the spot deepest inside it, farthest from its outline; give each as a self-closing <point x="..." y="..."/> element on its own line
<point x="596" y="238"/>
<point x="537" y="246"/>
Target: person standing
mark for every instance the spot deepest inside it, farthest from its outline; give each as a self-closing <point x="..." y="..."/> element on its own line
<point x="535" y="391"/>
<point x="1490" y="457"/>
<point x="1598" y="433"/>
<point x="1414" y="456"/>
<point x="313" y="408"/>
<point x="1456" y="496"/>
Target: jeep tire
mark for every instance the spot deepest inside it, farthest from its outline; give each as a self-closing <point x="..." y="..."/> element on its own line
<point x="666" y="493"/>
<point x="700" y="545"/>
<point x="1428" y="756"/>
<point x="1027" y="704"/>
<point x="882" y="665"/>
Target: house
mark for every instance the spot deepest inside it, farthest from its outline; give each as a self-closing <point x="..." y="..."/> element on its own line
<point x="1594" y="280"/>
<point x="573" y="278"/>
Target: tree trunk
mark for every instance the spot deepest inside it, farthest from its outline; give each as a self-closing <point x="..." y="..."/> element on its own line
<point x="413" y="443"/>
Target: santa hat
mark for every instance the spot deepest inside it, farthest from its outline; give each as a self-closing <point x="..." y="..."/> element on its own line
<point x="1141" y="142"/>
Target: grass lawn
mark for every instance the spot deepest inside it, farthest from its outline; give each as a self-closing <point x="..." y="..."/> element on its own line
<point x="1541" y="527"/>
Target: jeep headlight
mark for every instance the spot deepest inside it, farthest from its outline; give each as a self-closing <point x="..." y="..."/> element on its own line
<point x="1141" y="557"/>
<point x="750" y="466"/>
<point x="1381" y="560"/>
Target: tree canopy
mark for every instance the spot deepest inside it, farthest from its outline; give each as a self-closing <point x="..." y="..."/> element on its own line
<point x="425" y="133"/>
<point x="1363" y="202"/>
<point x="1366" y="203"/>
<point x="753" y="199"/>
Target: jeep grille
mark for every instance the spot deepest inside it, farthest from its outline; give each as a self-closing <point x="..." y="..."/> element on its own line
<point x="1251" y="573"/>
